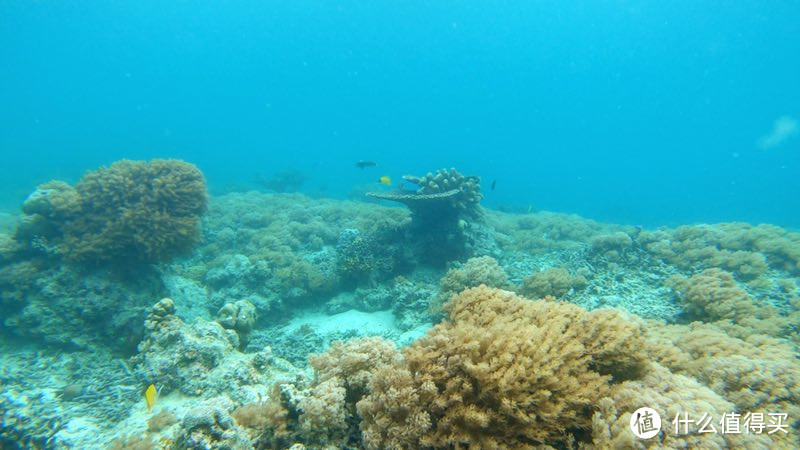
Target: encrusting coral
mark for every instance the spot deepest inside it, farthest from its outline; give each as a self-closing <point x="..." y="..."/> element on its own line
<point x="131" y="211"/>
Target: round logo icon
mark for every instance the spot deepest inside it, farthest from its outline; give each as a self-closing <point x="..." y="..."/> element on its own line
<point x="645" y="423"/>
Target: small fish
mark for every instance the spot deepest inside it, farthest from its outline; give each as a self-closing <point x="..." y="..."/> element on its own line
<point x="364" y="164"/>
<point x="150" y="396"/>
<point x="385" y="180"/>
<point x="494" y="183"/>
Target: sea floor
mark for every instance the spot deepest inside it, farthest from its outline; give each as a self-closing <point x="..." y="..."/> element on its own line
<point x="79" y="347"/>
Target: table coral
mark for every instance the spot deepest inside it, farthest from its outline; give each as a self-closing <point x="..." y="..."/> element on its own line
<point x="446" y="215"/>
<point x="446" y="192"/>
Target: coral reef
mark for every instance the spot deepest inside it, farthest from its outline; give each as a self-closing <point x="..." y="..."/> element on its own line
<point x="612" y="246"/>
<point x="209" y="425"/>
<point x="670" y="394"/>
<point x="280" y="277"/>
<point x="129" y="212"/>
<point x="367" y="258"/>
<point x="503" y="371"/>
<point x="280" y="250"/>
<point x="58" y="399"/>
<point x="200" y="359"/>
<point x="743" y="249"/>
<point x="473" y="273"/>
<point x="545" y="231"/>
<point x="240" y="317"/>
<point x="446" y="215"/>
<point x="713" y="295"/>
<point x="64" y="306"/>
<point x="556" y="282"/>
<point x="755" y="372"/>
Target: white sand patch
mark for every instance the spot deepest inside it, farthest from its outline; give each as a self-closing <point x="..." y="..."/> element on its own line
<point x="374" y="323"/>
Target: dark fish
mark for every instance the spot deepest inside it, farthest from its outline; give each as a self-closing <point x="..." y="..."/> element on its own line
<point x="494" y="183"/>
<point x="364" y="164"/>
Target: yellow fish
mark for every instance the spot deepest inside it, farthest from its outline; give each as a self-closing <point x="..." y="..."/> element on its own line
<point x="385" y="180"/>
<point x="150" y="396"/>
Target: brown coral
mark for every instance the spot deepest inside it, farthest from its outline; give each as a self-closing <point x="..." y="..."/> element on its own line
<point x="555" y="281"/>
<point x="132" y="211"/>
<point x="473" y="273"/>
<point x="505" y="372"/>
<point x="755" y="372"/>
<point x="669" y="394"/>
<point x="713" y="295"/>
<point x="746" y="250"/>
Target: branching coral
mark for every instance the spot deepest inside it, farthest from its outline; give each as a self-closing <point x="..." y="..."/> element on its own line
<point x="555" y="281"/>
<point x="504" y="372"/>
<point x="323" y="413"/>
<point x="394" y="415"/>
<point x="354" y="363"/>
<point x="669" y="394"/>
<point x="713" y="295"/>
<point x="746" y="250"/>
<point x="755" y="372"/>
<point x="132" y="211"/>
<point x="473" y="273"/>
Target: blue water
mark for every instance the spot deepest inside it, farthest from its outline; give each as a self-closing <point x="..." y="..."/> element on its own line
<point x="626" y="111"/>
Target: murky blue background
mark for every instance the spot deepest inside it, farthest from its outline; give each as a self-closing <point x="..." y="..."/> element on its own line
<point x="628" y="111"/>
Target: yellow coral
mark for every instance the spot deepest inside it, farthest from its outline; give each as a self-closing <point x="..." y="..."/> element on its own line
<point x="755" y="372"/>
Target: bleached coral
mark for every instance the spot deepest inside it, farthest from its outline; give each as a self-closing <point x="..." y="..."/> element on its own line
<point x="354" y="362"/>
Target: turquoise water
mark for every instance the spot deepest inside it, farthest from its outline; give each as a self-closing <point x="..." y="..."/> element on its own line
<point x="399" y="225"/>
<point x="634" y="112"/>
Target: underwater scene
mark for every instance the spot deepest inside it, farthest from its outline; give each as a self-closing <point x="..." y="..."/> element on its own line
<point x="318" y="224"/>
